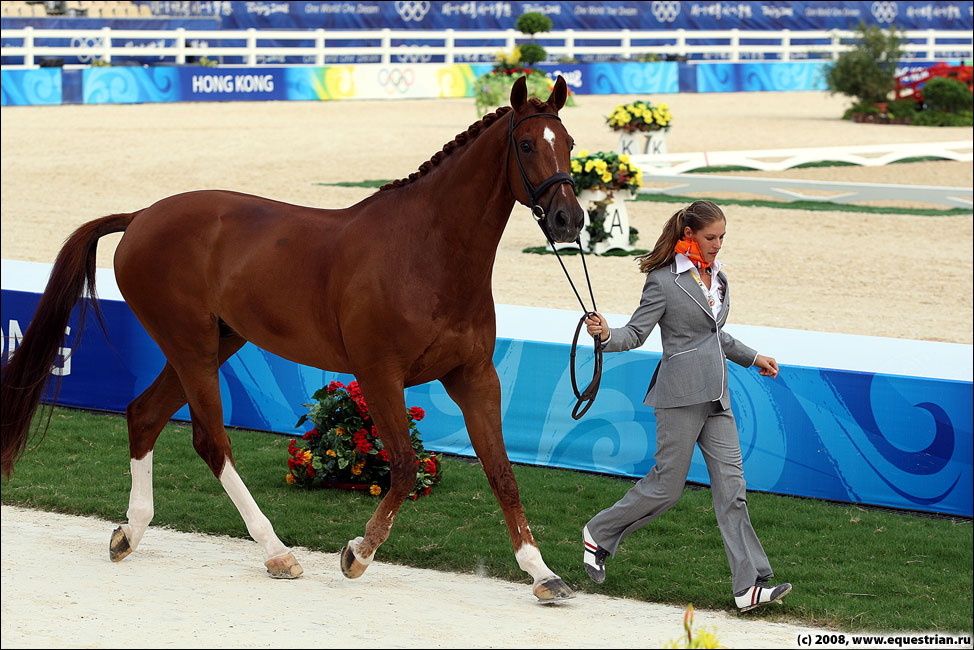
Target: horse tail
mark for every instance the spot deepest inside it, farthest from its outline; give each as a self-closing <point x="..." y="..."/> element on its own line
<point x="24" y="378"/>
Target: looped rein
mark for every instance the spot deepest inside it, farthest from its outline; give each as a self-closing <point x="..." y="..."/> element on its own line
<point x="585" y="397"/>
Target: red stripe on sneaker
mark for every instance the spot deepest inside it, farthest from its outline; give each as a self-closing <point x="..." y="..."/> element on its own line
<point x="591" y="547"/>
<point x="756" y="594"/>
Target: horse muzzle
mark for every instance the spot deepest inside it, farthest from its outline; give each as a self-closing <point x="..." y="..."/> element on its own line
<point x="565" y="219"/>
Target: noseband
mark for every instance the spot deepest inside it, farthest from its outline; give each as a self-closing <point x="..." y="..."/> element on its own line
<point x="585" y="397"/>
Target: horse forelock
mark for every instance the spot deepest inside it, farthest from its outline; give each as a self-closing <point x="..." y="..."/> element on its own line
<point x="459" y="141"/>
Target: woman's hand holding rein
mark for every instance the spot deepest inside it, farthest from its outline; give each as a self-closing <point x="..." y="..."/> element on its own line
<point x="596" y="326"/>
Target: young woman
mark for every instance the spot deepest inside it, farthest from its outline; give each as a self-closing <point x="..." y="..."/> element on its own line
<point x="687" y="295"/>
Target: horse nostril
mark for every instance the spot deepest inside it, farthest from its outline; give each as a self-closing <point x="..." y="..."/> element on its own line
<point x="561" y="219"/>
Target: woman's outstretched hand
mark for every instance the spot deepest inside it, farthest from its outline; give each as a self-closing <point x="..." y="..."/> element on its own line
<point x="596" y="326"/>
<point x="767" y="366"/>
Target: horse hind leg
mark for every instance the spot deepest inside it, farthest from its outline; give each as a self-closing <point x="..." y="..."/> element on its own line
<point x="388" y="408"/>
<point x="147" y="415"/>
<point x="476" y="391"/>
<point x="201" y="383"/>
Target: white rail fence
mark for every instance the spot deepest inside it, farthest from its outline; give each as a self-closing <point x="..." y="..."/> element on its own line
<point x="872" y="155"/>
<point x="254" y="47"/>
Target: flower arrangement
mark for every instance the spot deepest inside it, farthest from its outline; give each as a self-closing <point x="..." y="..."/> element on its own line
<point x="606" y="171"/>
<point x="344" y="450"/>
<point x="493" y="89"/>
<point x="640" y="116"/>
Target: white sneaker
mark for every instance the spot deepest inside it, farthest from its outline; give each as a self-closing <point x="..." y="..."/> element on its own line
<point x="760" y="594"/>
<point x="593" y="557"/>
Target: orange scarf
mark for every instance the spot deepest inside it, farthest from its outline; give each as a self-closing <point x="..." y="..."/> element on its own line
<point x="690" y="248"/>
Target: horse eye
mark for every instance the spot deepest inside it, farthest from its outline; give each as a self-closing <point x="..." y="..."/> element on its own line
<point x="525" y="146"/>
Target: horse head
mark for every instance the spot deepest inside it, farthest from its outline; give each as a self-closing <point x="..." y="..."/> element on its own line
<point x="542" y="161"/>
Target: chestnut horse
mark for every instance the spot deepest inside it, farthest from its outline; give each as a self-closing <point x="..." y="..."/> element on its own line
<point x="398" y="288"/>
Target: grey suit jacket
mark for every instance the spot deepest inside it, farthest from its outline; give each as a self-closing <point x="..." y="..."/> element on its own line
<point x="695" y="347"/>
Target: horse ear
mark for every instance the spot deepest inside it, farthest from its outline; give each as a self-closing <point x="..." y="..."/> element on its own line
<point x="559" y="94"/>
<point x="519" y="93"/>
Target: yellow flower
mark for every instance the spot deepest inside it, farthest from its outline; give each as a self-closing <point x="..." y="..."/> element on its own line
<point x="589" y="165"/>
<point x="331" y="452"/>
<point x="356" y="470"/>
<point x="606" y="177"/>
<point x="340" y="431"/>
<point x="624" y="158"/>
<point x="576" y="166"/>
<point x="289" y="478"/>
<point x="583" y="153"/>
<point x="306" y="457"/>
<point x="375" y="490"/>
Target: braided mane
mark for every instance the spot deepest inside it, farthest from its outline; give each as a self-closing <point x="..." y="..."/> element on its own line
<point x="461" y="139"/>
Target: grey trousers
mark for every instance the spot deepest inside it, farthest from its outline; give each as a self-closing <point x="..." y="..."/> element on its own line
<point x="677" y="430"/>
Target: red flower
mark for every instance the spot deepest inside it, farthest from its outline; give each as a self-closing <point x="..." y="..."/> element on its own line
<point x="430" y="466"/>
<point x="311" y="471"/>
<point x="375" y="434"/>
<point x="291" y="446"/>
<point x="426" y="491"/>
<point x="417" y="413"/>
<point x="292" y="463"/>
<point x="311" y="434"/>
<point x="335" y="385"/>
<point x="384" y="455"/>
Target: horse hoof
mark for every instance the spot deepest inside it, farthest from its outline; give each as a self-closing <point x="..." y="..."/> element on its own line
<point x="119" y="548"/>
<point x="284" y="566"/>
<point x="553" y="590"/>
<point x="351" y="566"/>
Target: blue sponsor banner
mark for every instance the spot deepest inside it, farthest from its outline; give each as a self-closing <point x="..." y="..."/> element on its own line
<point x="584" y="15"/>
<point x="617" y="78"/>
<point x="777" y="76"/>
<point x="137" y="84"/>
<point x="861" y="437"/>
<point x="38" y="87"/>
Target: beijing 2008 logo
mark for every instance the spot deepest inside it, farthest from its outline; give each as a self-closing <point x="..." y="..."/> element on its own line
<point x="412" y="10"/>
<point x="884" y="12"/>
<point x="396" y="80"/>
<point x="666" y="12"/>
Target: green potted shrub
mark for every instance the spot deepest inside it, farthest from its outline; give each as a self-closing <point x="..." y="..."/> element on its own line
<point x="867" y="73"/>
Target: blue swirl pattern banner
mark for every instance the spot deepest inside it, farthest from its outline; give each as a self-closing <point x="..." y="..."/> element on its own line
<point x="859" y="437"/>
<point x="750" y="77"/>
<point x="130" y="85"/>
<point x="40" y="87"/>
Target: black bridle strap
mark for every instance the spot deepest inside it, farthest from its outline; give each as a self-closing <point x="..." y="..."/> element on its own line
<point x="585" y="397"/>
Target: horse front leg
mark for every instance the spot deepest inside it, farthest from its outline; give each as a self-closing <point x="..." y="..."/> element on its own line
<point x="387" y="406"/>
<point x="476" y="390"/>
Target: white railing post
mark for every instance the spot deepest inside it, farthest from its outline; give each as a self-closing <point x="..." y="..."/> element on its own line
<point x="251" y="46"/>
<point x="28" y="46"/>
<point x="836" y="44"/>
<point x="931" y="44"/>
<point x="786" y="45"/>
<point x="180" y="46"/>
<point x="570" y="43"/>
<point x="626" y="44"/>
<point x="735" y="45"/>
<point x="681" y="43"/>
<point x="510" y="42"/>
<point x="319" y="47"/>
<point x="386" y="46"/>
<point x="449" y="43"/>
<point x="106" y="35"/>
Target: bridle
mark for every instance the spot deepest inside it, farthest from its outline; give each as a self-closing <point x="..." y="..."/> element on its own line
<point x="585" y="398"/>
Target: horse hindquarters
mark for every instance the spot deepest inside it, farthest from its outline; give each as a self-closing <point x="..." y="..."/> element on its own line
<point x="476" y="390"/>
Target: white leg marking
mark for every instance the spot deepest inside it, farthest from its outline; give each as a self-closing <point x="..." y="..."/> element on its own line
<point x="353" y="546"/>
<point x="529" y="559"/>
<point x="140" y="509"/>
<point x="258" y="525"/>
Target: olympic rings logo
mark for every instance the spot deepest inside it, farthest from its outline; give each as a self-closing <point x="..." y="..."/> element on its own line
<point x="86" y="42"/>
<point x="884" y="12"/>
<point x="666" y="12"/>
<point x="415" y="56"/>
<point x="396" y="81"/>
<point x="412" y="10"/>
